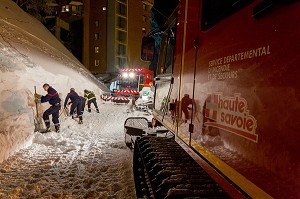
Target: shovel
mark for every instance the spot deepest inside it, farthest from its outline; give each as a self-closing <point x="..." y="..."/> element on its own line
<point x="37" y="123"/>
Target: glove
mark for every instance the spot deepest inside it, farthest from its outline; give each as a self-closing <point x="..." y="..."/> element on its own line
<point x="37" y="100"/>
<point x="37" y="96"/>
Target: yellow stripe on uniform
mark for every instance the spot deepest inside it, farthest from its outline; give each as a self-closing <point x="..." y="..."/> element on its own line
<point x="87" y="96"/>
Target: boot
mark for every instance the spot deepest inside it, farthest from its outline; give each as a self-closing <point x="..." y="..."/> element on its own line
<point x="80" y="122"/>
<point x="47" y="130"/>
<point x="57" y="130"/>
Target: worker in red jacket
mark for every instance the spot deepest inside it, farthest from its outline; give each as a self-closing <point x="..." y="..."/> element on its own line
<point x="53" y="98"/>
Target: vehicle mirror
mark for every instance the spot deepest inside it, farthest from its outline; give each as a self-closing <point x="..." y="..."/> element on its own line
<point x="148" y="48"/>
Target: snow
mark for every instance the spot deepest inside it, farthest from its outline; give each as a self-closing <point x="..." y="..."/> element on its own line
<point x="83" y="161"/>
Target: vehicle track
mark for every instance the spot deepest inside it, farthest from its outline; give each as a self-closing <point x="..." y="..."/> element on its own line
<point x="162" y="169"/>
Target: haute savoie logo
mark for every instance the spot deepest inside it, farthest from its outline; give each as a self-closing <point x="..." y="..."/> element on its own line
<point x="231" y="114"/>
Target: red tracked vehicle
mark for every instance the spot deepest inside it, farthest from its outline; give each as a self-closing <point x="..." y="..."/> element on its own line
<point x="128" y="84"/>
<point x="228" y="92"/>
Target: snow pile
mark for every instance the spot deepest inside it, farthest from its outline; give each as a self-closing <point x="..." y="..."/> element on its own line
<point x="87" y="160"/>
<point x="31" y="56"/>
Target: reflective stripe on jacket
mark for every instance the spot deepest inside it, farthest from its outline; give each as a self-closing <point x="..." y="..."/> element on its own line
<point x="90" y="95"/>
<point x="52" y="97"/>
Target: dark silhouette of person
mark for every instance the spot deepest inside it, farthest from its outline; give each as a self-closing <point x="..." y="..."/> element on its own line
<point x="185" y="102"/>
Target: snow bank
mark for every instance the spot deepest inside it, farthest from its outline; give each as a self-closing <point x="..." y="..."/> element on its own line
<point x="31" y="56"/>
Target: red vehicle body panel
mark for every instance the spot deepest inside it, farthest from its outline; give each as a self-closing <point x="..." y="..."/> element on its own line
<point x="236" y="95"/>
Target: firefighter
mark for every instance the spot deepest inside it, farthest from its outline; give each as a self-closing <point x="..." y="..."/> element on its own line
<point x="83" y="99"/>
<point x="53" y="98"/>
<point x="91" y="98"/>
<point x="76" y="104"/>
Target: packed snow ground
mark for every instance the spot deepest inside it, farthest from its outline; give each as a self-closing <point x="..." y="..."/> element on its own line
<point x="83" y="161"/>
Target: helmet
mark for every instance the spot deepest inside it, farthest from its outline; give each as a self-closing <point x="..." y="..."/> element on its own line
<point x="86" y="91"/>
<point x="72" y="89"/>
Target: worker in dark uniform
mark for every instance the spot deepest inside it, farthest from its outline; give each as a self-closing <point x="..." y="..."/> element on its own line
<point x="53" y="98"/>
<point x="91" y="98"/>
<point x="83" y="99"/>
<point x="76" y="104"/>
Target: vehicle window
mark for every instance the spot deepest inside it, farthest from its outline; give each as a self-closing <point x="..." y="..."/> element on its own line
<point x="148" y="48"/>
<point x="214" y="11"/>
<point x="170" y="52"/>
<point x="142" y="79"/>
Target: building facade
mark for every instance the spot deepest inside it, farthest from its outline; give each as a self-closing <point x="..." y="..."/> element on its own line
<point x="115" y="30"/>
<point x="139" y="26"/>
<point x="104" y="35"/>
<point x="65" y="21"/>
<point x="94" y="56"/>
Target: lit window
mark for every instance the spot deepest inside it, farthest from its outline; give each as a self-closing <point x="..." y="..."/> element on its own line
<point x="103" y="8"/>
<point x="144" y="6"/>
<point x="67" y="8"/>
<point x="96" y="36"/>
<point x="96" y="23"/>
<point x="97" y="49"/>
<point x="97" y="62"/>
<point x="74" y="8"/>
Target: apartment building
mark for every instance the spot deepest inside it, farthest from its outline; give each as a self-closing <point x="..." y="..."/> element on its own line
<point x="104" y="35"/>
<point x="113" y="31"/>
<point x="94" y="56"/>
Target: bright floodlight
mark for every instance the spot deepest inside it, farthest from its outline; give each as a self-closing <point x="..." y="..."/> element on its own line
<point x="131" y="75"/>
<point x="125" y="75"/>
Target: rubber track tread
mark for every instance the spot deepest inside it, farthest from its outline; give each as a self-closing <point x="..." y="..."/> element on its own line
<point x="163" y="170"/>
